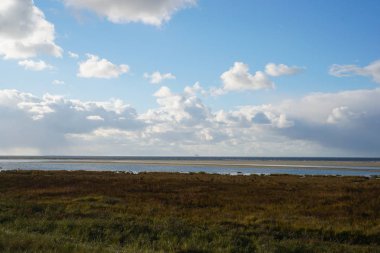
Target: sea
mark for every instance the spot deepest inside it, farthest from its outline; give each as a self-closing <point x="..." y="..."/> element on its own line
<point x="131" y="164"/>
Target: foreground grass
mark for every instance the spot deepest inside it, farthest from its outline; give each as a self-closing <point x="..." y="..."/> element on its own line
<point x="161" y="212"/>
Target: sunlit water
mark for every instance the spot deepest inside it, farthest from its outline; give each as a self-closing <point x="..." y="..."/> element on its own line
<point x="78" y="164"/>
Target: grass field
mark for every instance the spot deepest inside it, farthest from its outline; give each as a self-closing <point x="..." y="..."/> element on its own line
<point x="62" y="211"/>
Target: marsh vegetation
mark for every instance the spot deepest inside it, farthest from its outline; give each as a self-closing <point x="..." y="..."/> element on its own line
<point x="63" y="211"/>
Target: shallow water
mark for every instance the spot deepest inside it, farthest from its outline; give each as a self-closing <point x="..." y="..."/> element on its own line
<point x="86" y="164"/>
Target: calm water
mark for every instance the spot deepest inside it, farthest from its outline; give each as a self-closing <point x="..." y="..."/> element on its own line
<point x="84" y="163"/>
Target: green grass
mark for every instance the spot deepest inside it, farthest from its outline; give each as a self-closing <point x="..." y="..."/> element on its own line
<point x="168" y="212"/>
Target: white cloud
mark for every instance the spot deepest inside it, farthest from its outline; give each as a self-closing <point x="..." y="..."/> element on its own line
<point x="94" y="67"/>
<point x="185" y="107"/>
<point x="261" y="116"/>
<point x="343" y="70"/>
<point x="372" y="70"/>
<point x="163" y="92"/>
<point x="152" y="12"/>
<point x="238" y="78"/>
<point x="24" y="31"/>
<point x="58" y="82"/>
<point x="95" y="117"/>
<point x="43" y="123"/>
<point x="281" y="69"/>
<point x="217" y="91"/>
<point x="346" y="120"/>
<point x="195" y="89"/>
<point x="156" y="77"/>
<point x="34" y="65"/>
<point x="342" y="123"/>
<point x="341" y="114"/>
<point x="73" y="55"/>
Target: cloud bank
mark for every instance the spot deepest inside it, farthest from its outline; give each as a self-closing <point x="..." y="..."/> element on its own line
<point x="343" y="123"/>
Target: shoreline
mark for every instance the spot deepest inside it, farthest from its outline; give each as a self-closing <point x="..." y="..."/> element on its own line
<point x="189" y="173"/>
<point x="373" y="166"/>
<point x="215" y="162"/>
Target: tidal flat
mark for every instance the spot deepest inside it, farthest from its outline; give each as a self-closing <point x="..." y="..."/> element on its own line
<point x="87" y="211"/>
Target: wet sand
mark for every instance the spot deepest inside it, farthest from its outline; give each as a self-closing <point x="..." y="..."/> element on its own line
<point x="278" y="164"/>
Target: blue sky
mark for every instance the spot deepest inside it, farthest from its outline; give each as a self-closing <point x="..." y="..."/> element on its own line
<point x="197" y="42"/>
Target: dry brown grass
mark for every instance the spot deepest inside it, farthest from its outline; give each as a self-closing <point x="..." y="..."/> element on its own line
<point x="170" y="212"/>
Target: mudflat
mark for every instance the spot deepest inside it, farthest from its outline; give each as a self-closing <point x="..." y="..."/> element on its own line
<point x="223" y="162"/>
<point x="277" y="164"/>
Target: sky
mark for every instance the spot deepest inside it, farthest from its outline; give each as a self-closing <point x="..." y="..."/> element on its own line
<point x="190" y="77"/>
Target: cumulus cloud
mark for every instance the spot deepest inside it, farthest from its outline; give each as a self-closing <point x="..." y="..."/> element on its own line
<point x="281" y="69"/>
<point x="238" y="78"/>
<point x="339" y="114"/>
<point x="184" y="109"/>
<point x="372" y="70"/>
<point x="24" y="31"/>
<point x="156" y="77"/>
<point x="342" y="123"/>
<point x="34" y="65"/>
<point x="151" y="12"/>
<point x="195" y="89"/>
<point x="94" y="67"/>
